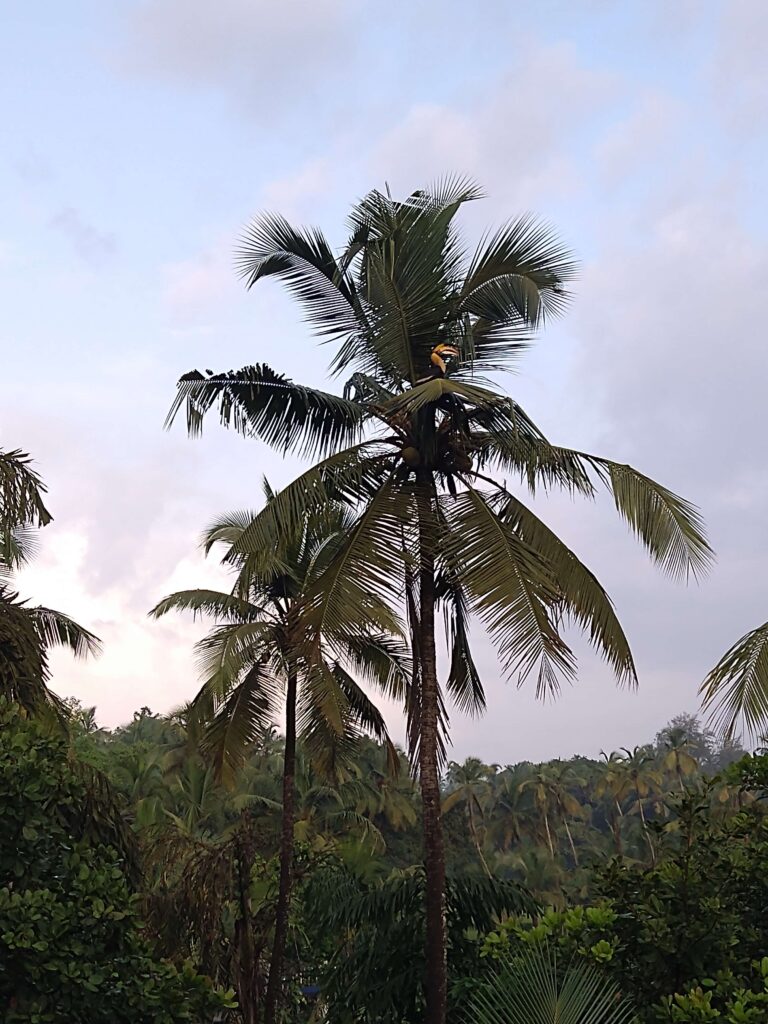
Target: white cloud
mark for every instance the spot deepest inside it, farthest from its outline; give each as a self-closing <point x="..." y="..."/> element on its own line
<point x="259" y="51"/>
<point x="740" y="70"/>
<point x="513" y="136"/>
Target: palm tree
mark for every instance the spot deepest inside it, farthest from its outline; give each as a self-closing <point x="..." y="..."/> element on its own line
<point x="738" y="685"/>
<point x="511" y="810"/>
<point x="562" y="779"/>
<point x="646" y="781"/>
<point x="676" y="754"/>
<point x="468" y="784"/>
<point x="416" y="446"/>
<point x="614" y="783"/>
<point x="27" y="634"/>
<point x="263" y="648"/>
<point x="535" y="988"/>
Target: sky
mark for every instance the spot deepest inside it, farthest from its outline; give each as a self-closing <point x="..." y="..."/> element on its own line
<point x="139" y="138"/>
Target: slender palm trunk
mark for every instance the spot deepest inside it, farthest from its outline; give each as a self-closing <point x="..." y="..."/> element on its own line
<point x="436" y="982"/>
<point x="570" y="840"/>
<point x="274" y="984"/>
<point x="549" y="834"/>
<point x="247" y="976"/>
<point x="646" y="831"/>
<point x="476" y="839"/>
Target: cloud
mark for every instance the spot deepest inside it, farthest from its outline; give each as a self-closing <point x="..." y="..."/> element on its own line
<point x="639" y="137"/>
<point x="144" y="662"/>
<point x="194" y="289"/>
<point x="259" y="51"/>
<point x="513" y="136"/>
<point x="91" y="245"/>
<point x="739" y="68"/>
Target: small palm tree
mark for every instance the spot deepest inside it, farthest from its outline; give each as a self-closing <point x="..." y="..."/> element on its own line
<point x="737" y="687"/>
<point x="262" y="649"/>
<point x="419" y="445"/>
<point x="533" y="988"/>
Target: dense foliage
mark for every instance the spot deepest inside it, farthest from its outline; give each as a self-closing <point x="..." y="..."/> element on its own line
<point x="71" y="945"/>
<point x="657" y="872"/>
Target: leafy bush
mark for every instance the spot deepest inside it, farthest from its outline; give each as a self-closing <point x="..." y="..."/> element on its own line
<point x="71" y="948"/>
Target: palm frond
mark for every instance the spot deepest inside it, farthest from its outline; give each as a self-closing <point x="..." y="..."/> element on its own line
<point x="519" y="271"/>
<point x="583" y="599"/>
<point x="304" y="261"/>
<point x="366" y="715"/>
<point x="463" y="684"/>
<point x="247" y="712"/>
<point x="257" y="402"/>
<point x="737" y="687"/>
<point x="348" y="477"/>
<point x="511" y="588"/>
<point x="324" y="721"/>
<point x="21" y="503"/>
<point x="368" y="565"/>
<point x="670" y="527"/>
<point x="214" y="603"/>
<point x="533" y="988"/>
<point x="229" y="650"/>
<point x="56" y="629"/>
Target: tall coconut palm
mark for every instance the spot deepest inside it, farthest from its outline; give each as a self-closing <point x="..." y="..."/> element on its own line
<point x="420" y="443"/>
<point x="264" y="648"/>
<point x="737" y="687"/>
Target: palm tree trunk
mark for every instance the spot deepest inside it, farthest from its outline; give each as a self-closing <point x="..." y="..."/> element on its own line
<point x="274" y="983"/>
<point x="436" y="982"/>
<point x="247" y="975"/>
<point x="549" y="834"/>
<point x="570" y="840"/>
<point x="645" y="829"/>
<point x="476" y="839"/>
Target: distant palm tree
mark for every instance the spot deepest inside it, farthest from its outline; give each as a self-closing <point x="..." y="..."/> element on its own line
<point x="262" y="649"/>
<point x="677" y="756"/>
<point x="646" y="780"/>
<point x="420" y="445"/>
<point x="469" y="784"/>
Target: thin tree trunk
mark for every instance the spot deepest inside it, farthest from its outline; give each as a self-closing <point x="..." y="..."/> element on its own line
<point x="549" y="834"/>
<point x="436" y="982"/>
<point x="247" y="983"/>
<point x="274" y="984"/>
<point x="645" y="828"/>
<point x="570" y="840"/>
<point x="476" y="839"/>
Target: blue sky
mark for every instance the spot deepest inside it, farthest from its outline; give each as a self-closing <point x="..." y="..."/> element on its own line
<point x="139" y="137"/>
